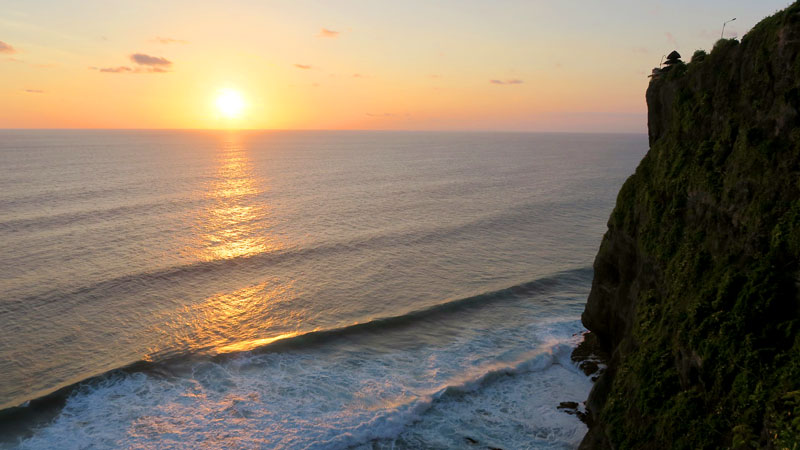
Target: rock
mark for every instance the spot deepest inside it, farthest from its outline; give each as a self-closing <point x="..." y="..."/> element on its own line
<point x="572" y="409"/>
<point x="568" y="405"/>
<point x="589" y="354"/>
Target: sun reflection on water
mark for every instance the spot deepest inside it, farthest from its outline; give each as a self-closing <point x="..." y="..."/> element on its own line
<point x="254" y="343"/>
<point x="244" y="319"/>
<point x="236" y="222"/>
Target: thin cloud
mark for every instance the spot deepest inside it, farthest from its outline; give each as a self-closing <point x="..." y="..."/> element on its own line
<point x="511" y="81"/>
<point x="326" y="33"/>
<point x="6" y="48"/>
<point x="120" y="69"/>
<point x="126" y="69"/>
<point x="167" y="41"/>
<point x="302" y="66"/>
<point x="147" y="60"/>
<point x="146" y="64"/>
<point x="33" y="91"/>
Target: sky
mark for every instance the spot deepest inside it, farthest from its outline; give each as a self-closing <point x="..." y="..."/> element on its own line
<point x="564" y="66"/>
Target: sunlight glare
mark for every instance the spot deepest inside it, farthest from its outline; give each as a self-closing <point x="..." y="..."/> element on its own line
<point x="230" y="103"/>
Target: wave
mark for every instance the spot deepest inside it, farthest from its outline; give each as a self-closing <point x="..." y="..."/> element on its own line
<point x="391" y="424"/>
<point x="165" y="366"/>
<point x="520" y="291"/>
<point x="386" y="423"/>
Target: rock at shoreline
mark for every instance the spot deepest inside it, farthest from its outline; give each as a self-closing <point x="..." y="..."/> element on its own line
<point x="590" y="356"/>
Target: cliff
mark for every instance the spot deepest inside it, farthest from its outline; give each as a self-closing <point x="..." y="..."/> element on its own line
<point x="697" y="280"/>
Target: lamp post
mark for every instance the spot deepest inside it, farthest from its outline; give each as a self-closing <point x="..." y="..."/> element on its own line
<point x="723" y="27"/>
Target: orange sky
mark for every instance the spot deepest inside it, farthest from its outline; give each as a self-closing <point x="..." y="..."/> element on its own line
<point x="505" y="65"/>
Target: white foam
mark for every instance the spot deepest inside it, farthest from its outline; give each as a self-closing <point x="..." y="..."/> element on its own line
<point x="488" y="386"/>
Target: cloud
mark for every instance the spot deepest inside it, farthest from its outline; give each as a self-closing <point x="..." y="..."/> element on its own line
<point x="6" y="48"/>
<point x="147" y="60"/>
<point x="326" y="33"/>
<point x="33" y="91"/>
<point x="126" y="69"/>
<point x="166" y="41"/>
<point x="511" y="81"/>
<point x="146" y="64"/>
<point x="302" y="66"/>
<point x="119" y="69"/>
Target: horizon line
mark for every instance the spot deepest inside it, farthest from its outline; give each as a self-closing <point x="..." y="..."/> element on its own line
<point x="329" y="130"/>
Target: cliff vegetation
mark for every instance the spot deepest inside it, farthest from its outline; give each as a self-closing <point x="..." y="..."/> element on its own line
<point x="697" y="281"/>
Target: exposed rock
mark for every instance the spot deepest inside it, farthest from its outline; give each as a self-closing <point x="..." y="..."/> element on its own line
<point x="572" y="409"/>
<point x="568" y="405"/>
<point x="590" y="355"/>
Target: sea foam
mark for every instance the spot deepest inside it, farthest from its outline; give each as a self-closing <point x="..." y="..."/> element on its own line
<point x="335" y="397"/>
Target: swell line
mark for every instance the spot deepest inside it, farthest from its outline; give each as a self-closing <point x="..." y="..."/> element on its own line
<point x="519" y="291"/>
<point x="88" y="217"/>
<point x="132" y="283"/>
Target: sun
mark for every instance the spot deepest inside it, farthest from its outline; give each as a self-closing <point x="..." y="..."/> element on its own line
<point x="230" y="103"/>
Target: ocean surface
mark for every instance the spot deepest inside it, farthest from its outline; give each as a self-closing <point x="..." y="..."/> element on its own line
<point x="298" y="290"/>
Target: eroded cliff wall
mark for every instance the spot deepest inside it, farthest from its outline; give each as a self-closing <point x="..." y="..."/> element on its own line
<point x="696" y="283"/>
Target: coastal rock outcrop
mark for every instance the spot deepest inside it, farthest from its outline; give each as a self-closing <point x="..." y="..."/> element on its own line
<point x="696" y="292"/>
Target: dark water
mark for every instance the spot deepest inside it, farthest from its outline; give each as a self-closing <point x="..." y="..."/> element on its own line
<point x="299" y="289"/>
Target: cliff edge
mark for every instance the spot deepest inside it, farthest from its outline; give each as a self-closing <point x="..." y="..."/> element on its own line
<point x="696" y="292"/>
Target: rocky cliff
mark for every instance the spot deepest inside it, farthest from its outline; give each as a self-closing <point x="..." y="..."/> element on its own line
<point x="696" y="285"/>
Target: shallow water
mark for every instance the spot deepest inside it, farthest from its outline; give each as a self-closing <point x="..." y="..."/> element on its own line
<point x="299" y="289"/>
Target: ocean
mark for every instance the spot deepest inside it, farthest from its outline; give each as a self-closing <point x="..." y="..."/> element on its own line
<point x="298" y="289"/>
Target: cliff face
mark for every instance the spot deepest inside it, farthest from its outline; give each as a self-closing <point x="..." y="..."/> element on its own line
<point x="696" y="283"/>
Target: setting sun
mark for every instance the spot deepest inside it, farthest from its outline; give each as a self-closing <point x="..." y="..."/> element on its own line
<point x="230" y="103"/>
